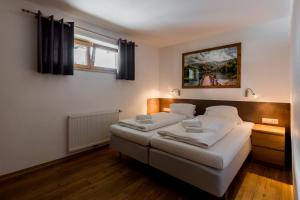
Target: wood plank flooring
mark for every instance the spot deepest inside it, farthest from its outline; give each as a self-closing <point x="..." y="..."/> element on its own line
<point x="100" y="175"/>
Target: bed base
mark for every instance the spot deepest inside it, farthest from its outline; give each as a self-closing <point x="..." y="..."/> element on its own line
<point x="213" y="181"/>
<point x="133" y="150"/>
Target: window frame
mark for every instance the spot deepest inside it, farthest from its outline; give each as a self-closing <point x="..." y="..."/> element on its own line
<point x="91" y="57"/>
<point x="87" y="44"/>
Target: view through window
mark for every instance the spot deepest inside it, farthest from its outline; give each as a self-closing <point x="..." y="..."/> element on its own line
<point x="94" y="55"/>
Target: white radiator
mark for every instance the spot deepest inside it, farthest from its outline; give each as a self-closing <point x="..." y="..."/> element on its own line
<point x="86" y="130"/>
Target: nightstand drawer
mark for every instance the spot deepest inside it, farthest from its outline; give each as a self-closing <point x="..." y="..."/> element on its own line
<point x="268" y="155"/>
<point x="268" y="140"/>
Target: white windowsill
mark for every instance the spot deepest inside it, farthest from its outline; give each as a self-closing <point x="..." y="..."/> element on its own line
<point x="98" y="70"/>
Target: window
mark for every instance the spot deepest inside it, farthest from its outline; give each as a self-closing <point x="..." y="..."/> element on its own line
<point x="82" y="53"/>
<point x="94" y="55"/>
<point x="105" y="57"/>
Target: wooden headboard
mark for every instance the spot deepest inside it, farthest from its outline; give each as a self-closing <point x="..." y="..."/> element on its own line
<point x="248" y="111"/>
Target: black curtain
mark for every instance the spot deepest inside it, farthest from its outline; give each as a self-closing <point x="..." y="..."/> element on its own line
<point x="126" y="61"/>
<point x="55" y="46"/>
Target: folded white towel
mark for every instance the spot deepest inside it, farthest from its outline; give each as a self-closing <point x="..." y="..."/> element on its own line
<point x="143" y="117"/>
<point x="191" y="129"/>
<point x="145" y="121"/>
<point x="191" y="123"/>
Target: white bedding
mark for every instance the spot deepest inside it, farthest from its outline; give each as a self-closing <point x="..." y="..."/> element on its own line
<point x="161" y="119"/>
<point x="132" y="135"/>
<point x="213" y="129"/>
<point x="218" y="156"/>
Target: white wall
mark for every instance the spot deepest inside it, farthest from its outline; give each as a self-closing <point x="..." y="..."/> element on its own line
<point x="296" y="96"/>
<point x="265" y="64"/>
<point x="34" y="107"/>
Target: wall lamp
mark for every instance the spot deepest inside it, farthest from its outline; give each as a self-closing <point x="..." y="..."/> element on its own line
<point x="175" y="92"/>
<point x="251" y="92"/>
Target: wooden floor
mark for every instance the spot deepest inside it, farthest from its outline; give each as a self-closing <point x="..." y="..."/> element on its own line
<point x="99" y="175"/>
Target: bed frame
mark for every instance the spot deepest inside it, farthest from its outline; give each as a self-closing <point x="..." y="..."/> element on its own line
<point x="211" y="180"/>
<point x="131" y="149"/>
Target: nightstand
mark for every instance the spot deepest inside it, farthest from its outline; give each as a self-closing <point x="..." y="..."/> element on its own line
<point x="268" y="144"/>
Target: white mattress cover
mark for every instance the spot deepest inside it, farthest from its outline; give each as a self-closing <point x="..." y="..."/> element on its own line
<point x="218" y="156"/>
<point x="136" y="136"/>
<point x="132" y="135"/>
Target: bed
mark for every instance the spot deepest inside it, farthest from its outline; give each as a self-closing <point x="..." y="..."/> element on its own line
<point x="212" y="169"/>
<point x="136" y="143"/>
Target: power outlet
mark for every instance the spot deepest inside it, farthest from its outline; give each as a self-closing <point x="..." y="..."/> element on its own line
<point x="269" y="121"/>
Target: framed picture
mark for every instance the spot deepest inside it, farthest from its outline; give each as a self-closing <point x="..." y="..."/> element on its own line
<point x="218" y="67"/>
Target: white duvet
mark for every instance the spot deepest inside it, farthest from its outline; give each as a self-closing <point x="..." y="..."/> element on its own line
<point x="159" y="120"/>
<point x="213" y="130"/>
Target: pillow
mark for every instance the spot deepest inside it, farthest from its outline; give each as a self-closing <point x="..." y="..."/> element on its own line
<point x="216" y="124"/>
<point x="228" y="112"/>
<point x="183" y="109"/>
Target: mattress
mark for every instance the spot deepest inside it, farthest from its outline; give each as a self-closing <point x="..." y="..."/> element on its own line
<point x="132" y="135"/>
<point x="218" y="156"/>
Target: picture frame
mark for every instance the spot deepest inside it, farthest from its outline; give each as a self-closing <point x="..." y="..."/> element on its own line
<point x="218" y="67"/>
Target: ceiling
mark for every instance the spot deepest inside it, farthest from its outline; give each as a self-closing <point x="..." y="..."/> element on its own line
<point x="166" y="22"/>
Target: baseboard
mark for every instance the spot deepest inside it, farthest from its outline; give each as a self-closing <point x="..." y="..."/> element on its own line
<point x="51" y="163"/>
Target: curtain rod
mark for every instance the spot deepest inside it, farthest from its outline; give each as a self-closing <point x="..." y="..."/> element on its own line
<point x="79" y="27"/>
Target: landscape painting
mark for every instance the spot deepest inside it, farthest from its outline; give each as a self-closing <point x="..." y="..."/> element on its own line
<point x="217" y="67"/>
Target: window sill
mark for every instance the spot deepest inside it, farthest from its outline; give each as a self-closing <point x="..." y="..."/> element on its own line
<point x="98" y="70"/>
